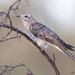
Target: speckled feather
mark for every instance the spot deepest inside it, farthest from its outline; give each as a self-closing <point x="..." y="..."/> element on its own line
<point x="50" y="37"/>
<point x="47" y="35"/>
<point x="40" y="32"/>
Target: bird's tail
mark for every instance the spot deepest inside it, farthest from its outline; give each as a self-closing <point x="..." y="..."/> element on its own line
<point x="70" y="47"/>
<point x="65" y="50"/>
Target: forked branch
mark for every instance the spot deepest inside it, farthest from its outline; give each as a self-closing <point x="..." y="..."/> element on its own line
<point x="7" y="68"/>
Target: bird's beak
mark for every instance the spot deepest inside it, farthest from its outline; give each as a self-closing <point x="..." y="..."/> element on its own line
<point x="18" y="16"/>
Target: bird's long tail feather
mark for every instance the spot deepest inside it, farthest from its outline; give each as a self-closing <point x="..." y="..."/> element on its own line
<point x="68" y="53"/>
<point x="70" y="47"/>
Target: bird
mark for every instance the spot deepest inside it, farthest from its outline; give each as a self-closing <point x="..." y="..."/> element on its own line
<point x="44" y="36"/>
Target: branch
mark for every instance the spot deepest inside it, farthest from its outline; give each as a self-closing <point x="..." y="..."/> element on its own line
<point x="35" y="44"/>
<point x="5" y="36"/>
<point x="10" y="68"/>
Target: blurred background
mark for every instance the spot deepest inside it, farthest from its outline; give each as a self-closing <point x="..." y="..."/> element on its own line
<point x="56" y="14"/>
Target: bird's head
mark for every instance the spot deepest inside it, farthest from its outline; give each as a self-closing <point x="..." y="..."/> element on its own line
<point x="26" y="18"/>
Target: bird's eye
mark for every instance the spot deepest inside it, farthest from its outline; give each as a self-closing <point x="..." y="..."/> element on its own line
<point x="25" y="16"/>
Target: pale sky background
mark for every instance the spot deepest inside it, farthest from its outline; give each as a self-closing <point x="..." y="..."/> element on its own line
<point x="62" y="11"/>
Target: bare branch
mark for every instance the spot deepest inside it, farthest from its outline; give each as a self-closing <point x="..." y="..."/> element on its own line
<point x="50" y="61"/>
<point x="7" y="14"/>
<point x="10" y="68"/>
<point x="12" y="6"/>
<point x="2" y="13"/>
<point x="53" y="58"/>
<point x="35" y="44"/>
<point x="5" y="36"/>
<point x="8" y="39"/>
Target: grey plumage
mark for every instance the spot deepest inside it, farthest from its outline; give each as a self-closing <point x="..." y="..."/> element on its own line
<point x="44" y="36"/>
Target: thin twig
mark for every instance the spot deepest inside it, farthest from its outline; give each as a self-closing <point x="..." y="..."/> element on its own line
<point x="10" y="68"/>
<point x="2" y="13"/>
<point x="53" y="58"/>
<point x="29" y="71"/>
<point x="8" y="39"/>
<point x="10" y="10"/>
<point x="5" y="35"/>
<point x="7" y="15"/>
<point x="12" y="6"/>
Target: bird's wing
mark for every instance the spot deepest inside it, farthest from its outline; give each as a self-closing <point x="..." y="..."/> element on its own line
<point x="42" y="32"/>
<point x="47" y="35"/>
